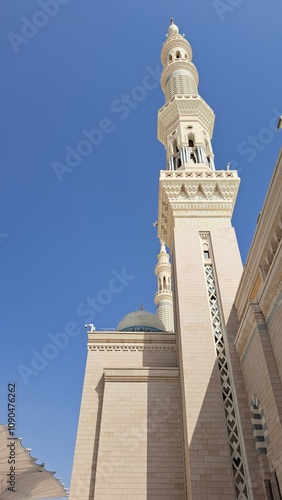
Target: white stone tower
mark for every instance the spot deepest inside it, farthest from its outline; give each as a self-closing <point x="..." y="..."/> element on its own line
<point x="163" y="297"/>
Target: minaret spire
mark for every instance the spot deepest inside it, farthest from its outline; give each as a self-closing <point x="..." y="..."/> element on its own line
<point x="163" y="297"/>
<point x="185" y="123"/>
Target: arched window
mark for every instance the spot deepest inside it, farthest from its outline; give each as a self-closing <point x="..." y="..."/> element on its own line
<point x="178" y="54"/>
<point x="191" y="143"/>
<point x="206" y="251"/>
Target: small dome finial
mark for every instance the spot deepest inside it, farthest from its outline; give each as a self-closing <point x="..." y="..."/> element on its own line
<point x="141" y="307"/>
<point x="173" y="29"/>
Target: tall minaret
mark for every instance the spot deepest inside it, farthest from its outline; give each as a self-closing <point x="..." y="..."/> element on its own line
<point x="163" y="297"/>
<point x="195" y="209"/>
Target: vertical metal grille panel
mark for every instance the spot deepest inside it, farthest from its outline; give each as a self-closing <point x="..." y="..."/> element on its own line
<point x="260" y="430"/>
<point x="226" y="388"/>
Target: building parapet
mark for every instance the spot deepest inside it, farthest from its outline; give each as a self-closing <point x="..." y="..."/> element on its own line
<point x="133" y="341"/>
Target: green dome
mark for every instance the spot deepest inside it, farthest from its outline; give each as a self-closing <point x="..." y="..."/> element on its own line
<point x="141" y="321"/>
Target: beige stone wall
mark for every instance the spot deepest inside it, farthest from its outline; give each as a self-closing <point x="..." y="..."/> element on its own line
<point x="140" y="448"/>
<point x="129" y="441"/>
<point x="122" y="456"/>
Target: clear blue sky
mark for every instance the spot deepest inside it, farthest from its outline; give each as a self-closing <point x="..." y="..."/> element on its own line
<point x="62" y="242"/>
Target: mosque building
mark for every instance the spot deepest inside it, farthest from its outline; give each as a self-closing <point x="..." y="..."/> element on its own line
<point x="187" y="404"/>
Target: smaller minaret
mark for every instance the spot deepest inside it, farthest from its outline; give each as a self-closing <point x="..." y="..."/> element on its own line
<point x="163" y="297"/>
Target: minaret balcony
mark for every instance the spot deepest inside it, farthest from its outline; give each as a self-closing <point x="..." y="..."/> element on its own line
<point x="162" y="266"/>
<point x="161" y="295"/>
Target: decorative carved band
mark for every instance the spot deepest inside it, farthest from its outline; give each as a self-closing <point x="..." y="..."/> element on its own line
<point x="118" y="337"/>
<point x="189" y="195"/>
<point x="123" y="347"/>
<point x="140" y="374"/>
<point x="204" y="235"/>
<point x="211" y="174"/>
